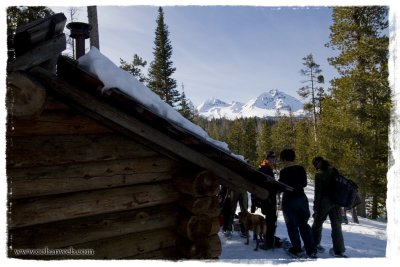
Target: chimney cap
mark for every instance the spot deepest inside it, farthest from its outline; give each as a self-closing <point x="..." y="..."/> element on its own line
<point x="79" y="29"/>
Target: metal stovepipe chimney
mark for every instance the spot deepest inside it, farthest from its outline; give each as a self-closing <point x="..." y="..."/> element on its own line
<point x="80" y="31"/>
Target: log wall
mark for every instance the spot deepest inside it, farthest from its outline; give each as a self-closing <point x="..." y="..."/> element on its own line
<point x="75" y="183"/>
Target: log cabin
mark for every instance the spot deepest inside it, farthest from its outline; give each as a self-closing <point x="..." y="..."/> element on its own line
<point x="94" y="175"/>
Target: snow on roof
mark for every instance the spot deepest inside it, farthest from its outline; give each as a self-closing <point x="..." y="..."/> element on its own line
<point x="114" y="77"/>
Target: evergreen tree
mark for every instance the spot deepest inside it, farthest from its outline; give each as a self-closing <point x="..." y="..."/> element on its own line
<point x="224" y="128"/>
<point x="304" y="143"/>
<point x="194" y="112"/>
<point x="312" y="73"/>
<point x="356" y="116"/>
<point x="135" y="67"/>
<point x="282" y="134"/>
<point x="161" y="70"/>
<point x="19" y="15"/>
<point x="185" y="106"/>
<point x="264" y="141"/>
<point x="213" y="130"/>
<point x="235" y="137"/>
<point x="250" y="140"/>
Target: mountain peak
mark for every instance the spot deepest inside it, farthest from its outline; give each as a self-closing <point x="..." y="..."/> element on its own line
<point x="211" y="103"/>
<point x="273" y="92"/>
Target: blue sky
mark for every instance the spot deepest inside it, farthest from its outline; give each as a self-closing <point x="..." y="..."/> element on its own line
<point x="227" y="52"/>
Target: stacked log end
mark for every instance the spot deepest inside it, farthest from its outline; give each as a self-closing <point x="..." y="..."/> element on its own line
<point x="199" y="224"/>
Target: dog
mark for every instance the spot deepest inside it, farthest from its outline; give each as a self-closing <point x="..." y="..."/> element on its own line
<point x="253" y="222"/>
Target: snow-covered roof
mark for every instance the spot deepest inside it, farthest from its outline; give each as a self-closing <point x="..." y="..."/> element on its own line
<point x="114" y="77"/>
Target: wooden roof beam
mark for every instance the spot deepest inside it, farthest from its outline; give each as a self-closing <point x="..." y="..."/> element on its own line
<point x="47" y="51"/>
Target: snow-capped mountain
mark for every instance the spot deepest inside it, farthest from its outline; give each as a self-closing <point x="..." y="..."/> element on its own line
<point x="215" y="108"/>
<point x="268" y="104"/>
<point x="211" y="104"/>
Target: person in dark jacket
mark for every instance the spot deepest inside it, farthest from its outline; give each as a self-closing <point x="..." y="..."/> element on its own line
<point x="324" y="207"/>
<point x="267" y="166"/>
<point x="225" y="208"/>
<point x="228" y="200"/>
<point x="295" y="205"/>
<point x="268" y="206"/>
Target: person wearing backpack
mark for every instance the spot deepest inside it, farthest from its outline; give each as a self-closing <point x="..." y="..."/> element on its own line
<point x="324" y="207"/>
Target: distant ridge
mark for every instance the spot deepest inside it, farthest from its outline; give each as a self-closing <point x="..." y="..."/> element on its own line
<point x="268" y="104"/>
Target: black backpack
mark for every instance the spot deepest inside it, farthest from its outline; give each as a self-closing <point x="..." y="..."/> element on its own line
<point x="345" y="192"/>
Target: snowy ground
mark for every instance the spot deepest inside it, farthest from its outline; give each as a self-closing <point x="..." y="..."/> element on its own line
<point x="364" y="240"/>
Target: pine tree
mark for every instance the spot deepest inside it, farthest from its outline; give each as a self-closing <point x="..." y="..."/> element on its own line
<point x="19" y="15"/>
<point x="304" y="143"/>
<point x="282" y="134"/>
<point x="213" y="130"/>
<point x="235" y="137"/>
<point x="185" y="106"/>
<point x="312" y="73"/>
<point x="161" y="70"/>
<point x="264" y="141"/>
<point x="135" y="67"/>
<point x="356" y="116"/>
<point x="250" y="140"/>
